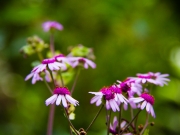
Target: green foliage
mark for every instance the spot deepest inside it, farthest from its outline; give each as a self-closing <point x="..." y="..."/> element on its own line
<point x="128" y="37"/>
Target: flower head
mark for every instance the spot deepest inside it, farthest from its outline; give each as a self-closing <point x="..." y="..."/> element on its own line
<point x="108" y="95"/>
<point x="145" y="100"/>
<point x="155" y="78"/>
<point x="118" y="94"/>
<point x="46" y="64"/>
<point x="51" y="25"/>
<point x="80" y="60"/>
<point x="61" y="94"/>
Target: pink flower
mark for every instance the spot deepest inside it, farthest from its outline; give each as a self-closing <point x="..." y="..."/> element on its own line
<point x="155" y="78"/>
<point x="108" y="95"/>
<point x="80" y="60"/>
<point x="130" y="86"/>
<point x="46" y="64"/>
<point x="114" y="127"/>
<point x="51" y="24"/>
<point x="49" y="64"/>
<point x="35" y="77"/>
<point x="61" y="94"/>
<point x="145" y="100"/>
<point x="118" y="95"/>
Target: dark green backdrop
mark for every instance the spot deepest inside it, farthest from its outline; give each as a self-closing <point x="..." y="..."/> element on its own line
<point x="128" y="37"/>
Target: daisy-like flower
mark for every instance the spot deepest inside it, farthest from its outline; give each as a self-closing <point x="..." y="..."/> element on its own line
<point x="52" y="24"/>
<point x="50" y="64"/>
<point x="109" y="97"/>
<point x="43" y="67"/>
<point x="145" y="100"/>
<point x="114" y="127"/>
<point x="61" y="94"/>
<point x="130" y="86"/>
<point x="155" y="78"/>
<point x="118" y="95"/>
<point x="80" y="60"/>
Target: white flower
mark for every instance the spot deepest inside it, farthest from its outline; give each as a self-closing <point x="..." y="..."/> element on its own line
<point x="80" y="60"/>
<point x="155" y="78"/>
<point x="109" y="97"/>
<point x="147" y="101"/>
<point x="61" y="94"/>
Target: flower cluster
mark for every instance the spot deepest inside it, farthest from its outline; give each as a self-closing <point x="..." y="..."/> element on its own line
<point x="58" y="62"/>
<point x="132" y="93"/>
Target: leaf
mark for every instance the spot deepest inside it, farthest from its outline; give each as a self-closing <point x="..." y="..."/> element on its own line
<point x="146" y="132"/>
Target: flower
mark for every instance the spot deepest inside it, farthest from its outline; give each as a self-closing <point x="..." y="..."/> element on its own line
<point x="43" y="67"/>
<point x="118" y="95"/>
<point x="51" y="24"/>
<point x="130" y="86"/>
<point x="155" y="78"/>
<point x="80" y="60"/>
<point x="50" y="64"/>
<point x="114" y="128"/>
<point x="35" y="77"/>
<point x="109" y="97"/>
<point x="147" y="101"/>
<point x="61" y="94"/>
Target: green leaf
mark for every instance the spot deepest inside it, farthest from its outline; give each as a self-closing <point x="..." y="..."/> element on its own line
<point x="146" y="132"/>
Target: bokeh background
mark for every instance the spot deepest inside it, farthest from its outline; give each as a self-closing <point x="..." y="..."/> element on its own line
<point x="127" y="36"/>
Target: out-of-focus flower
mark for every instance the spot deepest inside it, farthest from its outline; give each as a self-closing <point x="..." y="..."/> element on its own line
<point x="61" y="94"/>
<point x="63" y="59"/>
<point x="130" y="86"/>
<point x="51" y="63"/>
<point x="155" y="78"/>
<point x="145" y="100"/>
<point x="114" y="127"/>
<point x="108" y="95"/>
<point x="80" y="60"/>
<point x="46" y="64"/>
<point x="35" y="77"/>
<point x="52" y="25"/>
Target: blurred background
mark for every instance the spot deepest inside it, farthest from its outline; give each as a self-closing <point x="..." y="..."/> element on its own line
<point x="127" y="37"/>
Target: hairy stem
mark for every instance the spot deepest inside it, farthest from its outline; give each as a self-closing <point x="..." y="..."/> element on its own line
<point x="108" y="122"/>
<point x="131" y="122"/>
<point x="75" y="80"/>
<point x="95" y="118"/>
<point x="51" y="119"/>
<point x="71" y="125"/>
<point x="52" y="43"/>
<point x="120" y="114"/>
<point x="146" y="124"/>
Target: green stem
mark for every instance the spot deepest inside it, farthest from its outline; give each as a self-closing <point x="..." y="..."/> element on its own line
<point x="120" y="114"/>
<point x="132" y="115"/>
<point x="130" y="122"/>
<point x="47" y="85"/>
<point x="71" y="125"/>
<point x="62" y="82"/>
<point x="75" y="80"/>
<point x="39" y="55"/>
<point x="95" y="118"/>
<point x="146" y="124"/>
<point x="51" y="119"/>
<point x="52" y="78"/>
<point x="108" y="122"/>
<point x="52" y="43"/>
